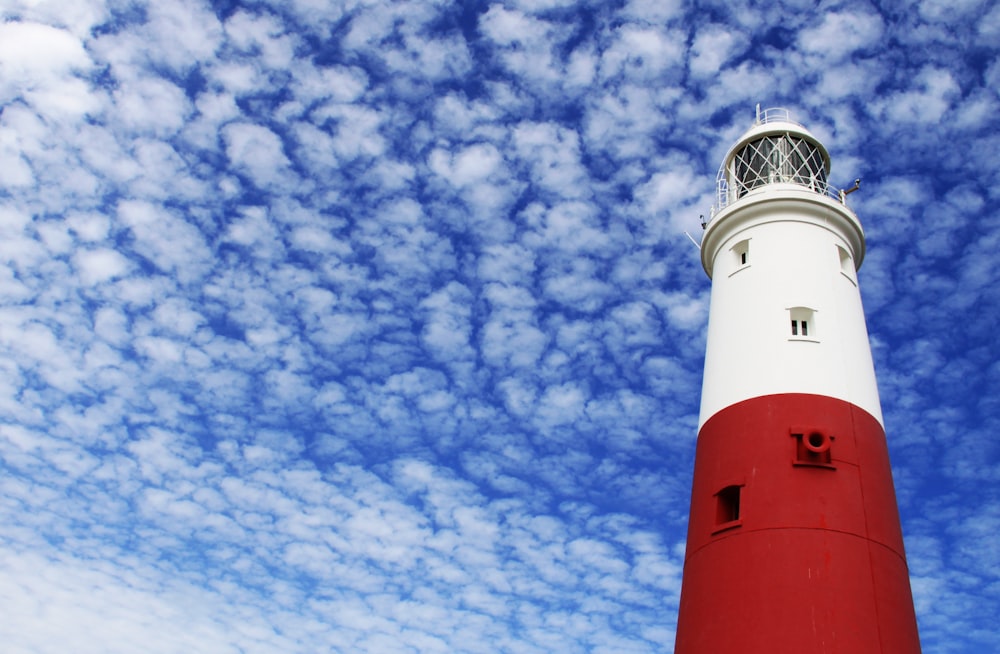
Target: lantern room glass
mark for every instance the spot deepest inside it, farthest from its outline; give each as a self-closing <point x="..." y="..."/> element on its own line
<point x="777" y="159"/>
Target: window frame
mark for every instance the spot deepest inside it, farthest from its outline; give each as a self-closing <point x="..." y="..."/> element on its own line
<point x="801" y="322"/>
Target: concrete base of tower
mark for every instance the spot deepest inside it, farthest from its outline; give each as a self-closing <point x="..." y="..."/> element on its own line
<point x="793" y="541"/>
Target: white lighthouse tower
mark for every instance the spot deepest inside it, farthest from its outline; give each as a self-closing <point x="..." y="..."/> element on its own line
<point x="794" y="541"/>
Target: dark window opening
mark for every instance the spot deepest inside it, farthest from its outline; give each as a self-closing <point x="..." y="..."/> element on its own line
<point x="798" y="325"/>
<point x="741" y="254"/>
<point x="728" y="505"/>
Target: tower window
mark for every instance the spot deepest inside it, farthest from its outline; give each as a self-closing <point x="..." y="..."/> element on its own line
<point x="727" y="508"/>
<point x="741" y="255"/>
<point x="846" y="264"/>
<point x="803" y="322"/>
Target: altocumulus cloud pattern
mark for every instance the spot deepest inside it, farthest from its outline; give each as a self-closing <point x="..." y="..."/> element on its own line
<point x="372" y="326"/>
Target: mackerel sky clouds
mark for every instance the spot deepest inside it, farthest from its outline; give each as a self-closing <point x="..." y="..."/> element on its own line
<point x="373" y="327"/>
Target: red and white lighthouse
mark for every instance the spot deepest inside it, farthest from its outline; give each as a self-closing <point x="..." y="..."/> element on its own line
<point x="794" y="542"/>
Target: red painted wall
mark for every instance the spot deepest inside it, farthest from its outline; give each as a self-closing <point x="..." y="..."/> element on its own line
<point x="815" y="562"/>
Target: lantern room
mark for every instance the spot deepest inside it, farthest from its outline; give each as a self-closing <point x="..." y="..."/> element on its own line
<point x="776" y="150"/>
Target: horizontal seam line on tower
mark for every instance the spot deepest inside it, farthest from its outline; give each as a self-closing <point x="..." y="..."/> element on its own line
<point x="730" y="533"/>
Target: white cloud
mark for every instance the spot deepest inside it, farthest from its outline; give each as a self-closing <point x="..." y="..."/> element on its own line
<point x="79" y="18"/>
<point x="652" y="11"/>
<point x="181" y="34"/>
<point x="926" y="101"/>
<point x="462" y="118"/>
<point x="155" y="105"/>
<point x="560" y="405"/>
<point x="506" y="27"/>
<point x="101" y="265"/>
<point x="713" y="47"/>
<point x="338" y="83"/>
<point x="842" y="34"/>
<point x="577" y="288"/>
<point x="527" y="44"/>
<point x="989" y="26"/>
<point x="171" y="243"/>
<point x="510" y="264"/>
<point x="111" y="325"/>
<point x="935" y="10"/>
<point x="643" y="54"/>
<point x="33" y="53"/>
<point x="253" y="230"/>
<point x="429" y="59"/>
<point x="256" y="150"/>
<point x="553" y="154"/>
<point x="263" y="36"/>
<point x="850" y="79"/>
<point x="40" y="64"/>
<point x="447" y="329"/>
<point x="474" y="164"/>
<point x="358" y="130"/>
<point x="670" y="190"/>
<point x="14" y="169"/>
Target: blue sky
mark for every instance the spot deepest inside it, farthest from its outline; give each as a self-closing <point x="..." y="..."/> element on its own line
<point x="373" y="327"/>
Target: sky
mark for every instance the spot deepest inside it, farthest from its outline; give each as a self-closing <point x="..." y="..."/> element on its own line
<point x="372" y="326"/>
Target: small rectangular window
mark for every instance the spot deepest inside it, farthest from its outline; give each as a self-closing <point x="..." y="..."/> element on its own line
<point x="741" y="255"/>
<point x="802" y="322"/>
<point x="847" y="265"/>
<point x="728" y="505"/>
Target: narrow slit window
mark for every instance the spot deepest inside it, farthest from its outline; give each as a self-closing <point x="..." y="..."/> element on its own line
<point x="846" y="264"/>
<point x="845" y="259"/>
<point x="741" y="254"/>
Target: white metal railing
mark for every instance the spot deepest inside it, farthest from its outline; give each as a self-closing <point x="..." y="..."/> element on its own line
<point x="724" y="198"/>
<point x="775" y="115"/>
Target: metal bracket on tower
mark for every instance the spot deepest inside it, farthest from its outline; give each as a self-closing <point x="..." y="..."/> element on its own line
<point x="845" y="192"/>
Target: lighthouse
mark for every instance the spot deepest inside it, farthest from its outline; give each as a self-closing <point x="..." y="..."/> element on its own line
<point x="794" y="543"/>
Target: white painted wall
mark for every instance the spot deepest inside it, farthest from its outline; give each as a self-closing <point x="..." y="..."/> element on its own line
<point x="793" y="261"/>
